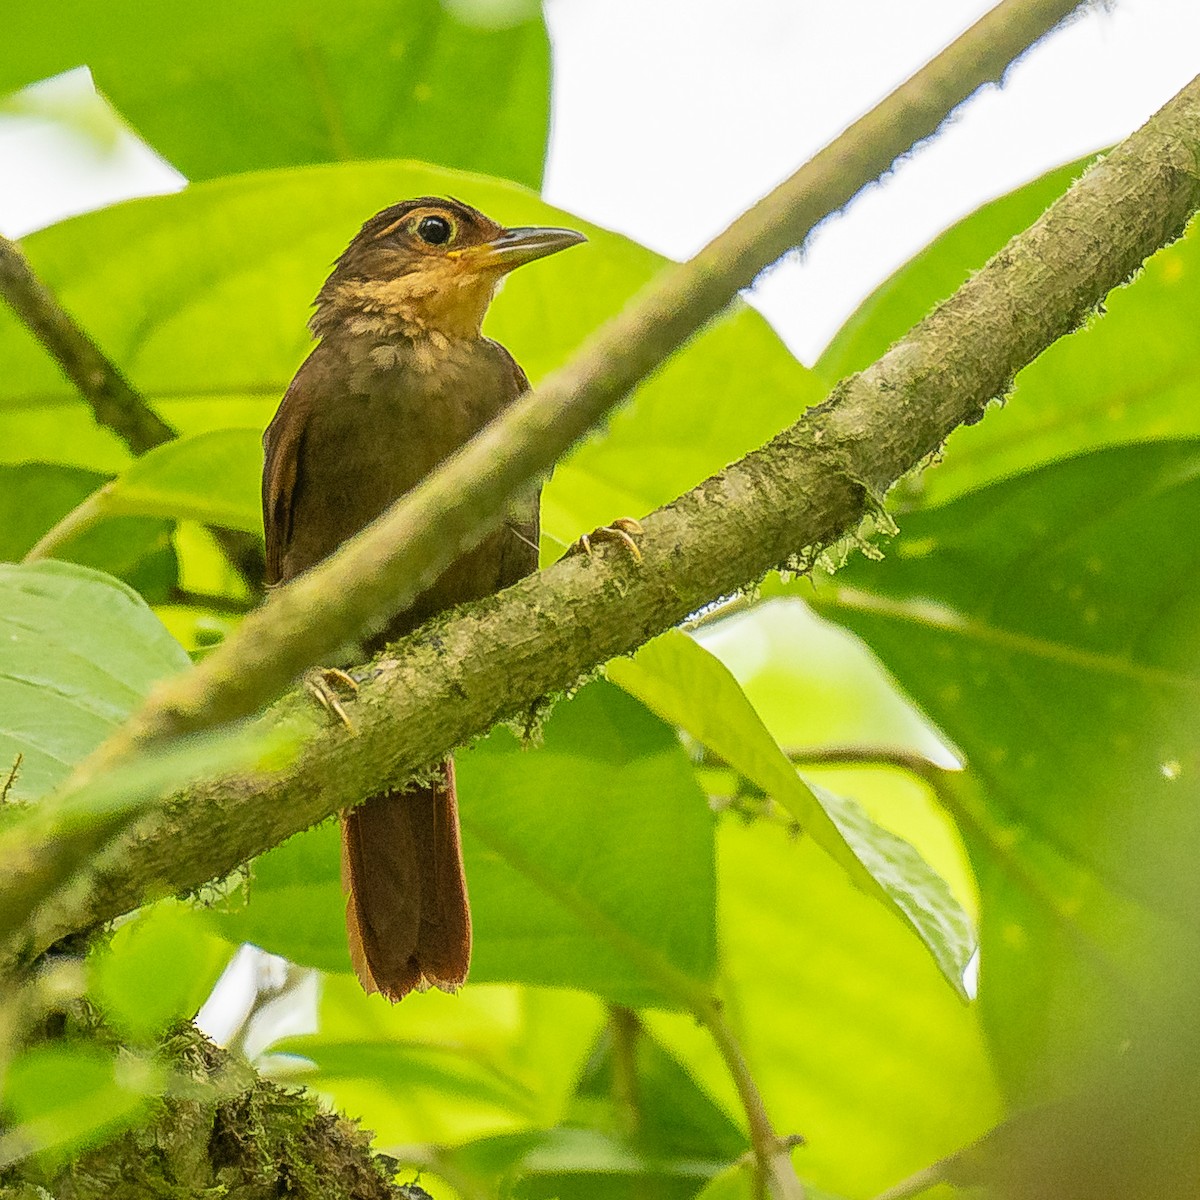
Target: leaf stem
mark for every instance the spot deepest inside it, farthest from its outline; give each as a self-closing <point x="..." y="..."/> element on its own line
<point x="626" y="1029"/>
<point x="90" y="511"/>
<point x="939" y="778"/>
<point x="772" y="1154"/>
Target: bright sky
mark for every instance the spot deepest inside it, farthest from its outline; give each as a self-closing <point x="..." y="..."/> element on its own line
<point x="673" y="115"/>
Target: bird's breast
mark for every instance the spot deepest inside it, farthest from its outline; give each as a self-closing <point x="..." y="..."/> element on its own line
<point x="384" y="421"/>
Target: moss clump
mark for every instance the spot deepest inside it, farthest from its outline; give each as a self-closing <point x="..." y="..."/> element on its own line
<point x="222" y="1133"/>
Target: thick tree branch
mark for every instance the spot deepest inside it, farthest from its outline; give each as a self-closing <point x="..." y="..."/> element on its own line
<point x="454" y="678"/>
<point x="381" y="571"/>
<point x="114" y="401"/>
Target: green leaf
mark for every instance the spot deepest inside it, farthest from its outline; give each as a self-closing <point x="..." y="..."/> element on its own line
<point x="563" y="846"/>
<point x="438" y="1070"/>
<point x="62" y="1098"/>
<point x="846" y="1024"/>
<point x="222" y="87"/>
<point x="35" y="496"/>
<point x="565" y="855"/>
<point x="672" y="1118"/>
<point x="583" y="1163"/>
<point x="938" y="271"/>
<point x="913" y="889"/>
<point x="213" y="478"/>
<point x="78" y="653"/>
<point x="211" y="327"/>
<point x="294" y="905"/>
<point x="156" y="969"/>
<point x="504" y="1058"/>
<point x="684" y="683"/>
<point x="1130" y="375"/>
<point x="1050" y="626"/>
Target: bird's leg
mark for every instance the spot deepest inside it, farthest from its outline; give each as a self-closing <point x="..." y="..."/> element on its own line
<point x="323" y="684"/>
<point x="623" y="531"/>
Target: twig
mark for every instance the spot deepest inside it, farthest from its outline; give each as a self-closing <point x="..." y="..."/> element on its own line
<point x="771" y="1152"/>
<point x="13" y="772"/>
<point x="381" y="571"/>
<point x="455" y="678"/>
<point x="233" y="606"/>
<point x="626" y="1030"/>
<point x="113" y="399"/>
<point x="940" y="779"/>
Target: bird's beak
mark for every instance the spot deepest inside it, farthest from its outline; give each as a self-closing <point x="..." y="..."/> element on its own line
<point x="515" y="247"/>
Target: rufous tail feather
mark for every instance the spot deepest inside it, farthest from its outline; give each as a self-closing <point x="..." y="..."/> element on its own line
<point x="407" y="917"/>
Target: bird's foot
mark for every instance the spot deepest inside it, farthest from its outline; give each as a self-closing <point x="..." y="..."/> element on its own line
<point x="324" y="683"/>
<point x="623" y="531"/>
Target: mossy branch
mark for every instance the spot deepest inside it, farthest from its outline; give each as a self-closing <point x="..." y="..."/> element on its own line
<point x="382" y="570"/>
<point x="220" y="1131"/>
<point x="456" y="677"/>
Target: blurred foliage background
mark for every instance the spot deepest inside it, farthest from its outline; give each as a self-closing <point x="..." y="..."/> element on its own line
<point x="1029" y="639"/>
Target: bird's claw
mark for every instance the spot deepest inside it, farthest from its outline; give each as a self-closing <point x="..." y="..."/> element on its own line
<point x="623" y="530"/>
<point x="323" y="684"/>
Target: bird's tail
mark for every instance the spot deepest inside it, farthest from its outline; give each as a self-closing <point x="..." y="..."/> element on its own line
<point x="407" y="916"/>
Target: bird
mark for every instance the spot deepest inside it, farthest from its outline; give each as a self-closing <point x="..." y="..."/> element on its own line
<point x="400" y="378"/>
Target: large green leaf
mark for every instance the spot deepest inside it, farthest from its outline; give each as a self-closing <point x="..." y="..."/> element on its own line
<point x="1132" y="373"/>
<point x="222" y="86"/>
<point x="295" y="905"/>
<point x="563" y="846"/>
<point x="78" y="652"/>
<point x="1050" y="626"/>
<point x="438" y="1070"/>
<point x="210" y="327"/>
<point x="684" y="683"/>
<point x="848" y="1028"/>
<point x="568" y="843"/>
<point x="212" y="478"/>
<point x="505" y="1058"/>
<point x="937" y="271"/>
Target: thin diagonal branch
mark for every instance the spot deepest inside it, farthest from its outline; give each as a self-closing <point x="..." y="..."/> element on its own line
<point x="454" y="678"/>
<point x="381" y="571"/>
<point x="772" y="1154"/>
<point x="114" y="401"/>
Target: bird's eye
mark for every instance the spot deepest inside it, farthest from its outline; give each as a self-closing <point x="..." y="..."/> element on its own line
<point x="434" y="230"/>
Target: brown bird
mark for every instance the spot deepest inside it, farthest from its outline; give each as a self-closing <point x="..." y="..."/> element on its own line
<point x="401" y="378"/>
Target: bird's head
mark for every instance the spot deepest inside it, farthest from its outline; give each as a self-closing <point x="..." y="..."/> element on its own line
<point x="427" y="266"/>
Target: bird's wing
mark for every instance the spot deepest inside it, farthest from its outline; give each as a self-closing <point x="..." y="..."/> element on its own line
<point x="282" y="444"/>
<point x="519" y="551"/>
